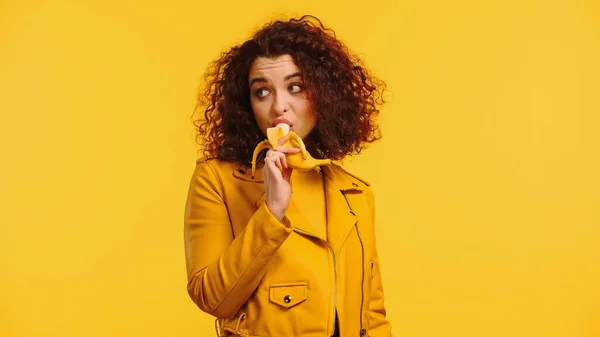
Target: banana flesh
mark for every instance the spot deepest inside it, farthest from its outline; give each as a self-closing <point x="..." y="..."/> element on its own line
<point x="299" y="161"/>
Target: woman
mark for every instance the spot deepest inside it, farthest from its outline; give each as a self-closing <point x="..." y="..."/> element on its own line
<point x="266" y="261"/>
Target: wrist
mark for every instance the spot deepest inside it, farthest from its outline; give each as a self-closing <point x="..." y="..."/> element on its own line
<point x="278" y="214"/>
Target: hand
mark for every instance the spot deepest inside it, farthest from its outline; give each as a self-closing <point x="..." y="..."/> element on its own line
<point x="276" y="175"/>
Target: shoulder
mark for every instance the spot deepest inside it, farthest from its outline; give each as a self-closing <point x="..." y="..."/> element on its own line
<point x="211" y="176"/>
<point x="227" y="172"/>
<point x="212" y="168"/>
<point x="350" y="175"/>
<point x="214" y="163"/>
<point x="351" y="181"/>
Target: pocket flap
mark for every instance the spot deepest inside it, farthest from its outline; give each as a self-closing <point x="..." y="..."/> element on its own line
<point x="288" y="294"/>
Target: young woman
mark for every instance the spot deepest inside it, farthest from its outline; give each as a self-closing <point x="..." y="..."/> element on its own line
<point x="286" y="251"/>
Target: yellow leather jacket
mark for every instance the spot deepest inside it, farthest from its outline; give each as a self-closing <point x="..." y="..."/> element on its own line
<point x="262" y="277"/>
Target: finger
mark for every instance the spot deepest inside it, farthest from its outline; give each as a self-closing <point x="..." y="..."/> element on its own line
<point x="272" y="167"/>
<point x="278" y="159"/>
<point x="287" y="174"/>
<point x="283" y="139"/>
<point x="276" y="162"/>
<point x="288" y="149"/>
<point x="274" y="155"/>
<point x="272" y="158"/>
<point x="282" y="159"/>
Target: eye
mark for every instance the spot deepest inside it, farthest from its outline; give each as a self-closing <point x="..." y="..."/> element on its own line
<point x="262" y="92"/>
<point x="295" y="88"/>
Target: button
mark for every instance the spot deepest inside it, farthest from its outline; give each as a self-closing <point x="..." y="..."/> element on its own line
<point x="363" y="331"/>
<point x="287" y="298"/>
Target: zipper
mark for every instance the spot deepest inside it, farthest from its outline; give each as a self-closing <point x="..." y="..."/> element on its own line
<point x="334" y="286"/>
<point x="362" y="284"/>
<point x="363" y="331"/>
<point x="334" y="275"/>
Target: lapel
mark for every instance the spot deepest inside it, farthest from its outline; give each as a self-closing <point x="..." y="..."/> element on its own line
<point x="341" y="213"/>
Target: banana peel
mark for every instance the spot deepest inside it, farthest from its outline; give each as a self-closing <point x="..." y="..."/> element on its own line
<point x="300" y="161"/>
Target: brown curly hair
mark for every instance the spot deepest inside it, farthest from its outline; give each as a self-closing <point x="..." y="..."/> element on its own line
<point x="344" y="93"/>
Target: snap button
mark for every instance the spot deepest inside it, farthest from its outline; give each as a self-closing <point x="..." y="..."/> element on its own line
<point x="288" y="294"/>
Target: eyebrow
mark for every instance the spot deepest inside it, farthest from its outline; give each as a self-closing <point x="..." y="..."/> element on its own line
<point x="262" y="79"/>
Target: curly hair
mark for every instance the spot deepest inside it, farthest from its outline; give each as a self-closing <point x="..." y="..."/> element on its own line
<point x="344" y="93"/>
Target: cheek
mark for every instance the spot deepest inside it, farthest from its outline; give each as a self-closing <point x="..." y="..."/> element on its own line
<point x="258" y="109"/>
<point x="309" y="113"/>
<point x="261" y="115"/>
<point x="303" y="106"/>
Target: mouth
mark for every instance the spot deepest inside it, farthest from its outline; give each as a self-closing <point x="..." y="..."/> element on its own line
<point x="283" y="120"/>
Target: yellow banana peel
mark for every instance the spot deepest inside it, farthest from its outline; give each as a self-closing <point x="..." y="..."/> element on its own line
<point x="299" y="161"/>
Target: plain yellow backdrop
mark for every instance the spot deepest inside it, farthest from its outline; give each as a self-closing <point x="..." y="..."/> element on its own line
<point x="487" y="179"/>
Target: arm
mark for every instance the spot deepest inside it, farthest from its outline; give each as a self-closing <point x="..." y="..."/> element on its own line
<point x="224" y="271"/>
<point x="379" y="326"/>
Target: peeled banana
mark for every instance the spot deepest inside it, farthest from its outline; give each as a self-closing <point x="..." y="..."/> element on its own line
<point x="299" y="161"/>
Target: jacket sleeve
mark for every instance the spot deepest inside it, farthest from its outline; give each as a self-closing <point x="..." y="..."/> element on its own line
<point x="379" y="326"/>
<point x="224" y="271"/>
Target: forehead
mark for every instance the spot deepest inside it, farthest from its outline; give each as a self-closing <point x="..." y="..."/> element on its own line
<point x="273" y="68"/>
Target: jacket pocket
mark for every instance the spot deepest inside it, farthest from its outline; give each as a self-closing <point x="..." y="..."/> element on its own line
<point x="288" y="294"/>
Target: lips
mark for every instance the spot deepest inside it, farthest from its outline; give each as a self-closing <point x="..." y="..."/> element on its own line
<point x="283" y="120"/>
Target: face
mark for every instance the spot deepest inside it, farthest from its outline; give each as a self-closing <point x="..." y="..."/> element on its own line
<point x="277" y="95"/>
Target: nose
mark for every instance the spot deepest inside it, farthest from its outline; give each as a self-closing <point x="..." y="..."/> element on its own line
<point x="281" y="104"/>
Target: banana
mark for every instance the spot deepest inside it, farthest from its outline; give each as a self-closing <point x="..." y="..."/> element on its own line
<point x="299" y="161"/>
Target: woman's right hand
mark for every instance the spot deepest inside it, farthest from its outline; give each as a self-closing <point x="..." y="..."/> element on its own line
<point x="276" y="175"/>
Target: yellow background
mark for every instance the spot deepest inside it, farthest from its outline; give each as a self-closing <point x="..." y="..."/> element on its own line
<point x="487" y="180"/>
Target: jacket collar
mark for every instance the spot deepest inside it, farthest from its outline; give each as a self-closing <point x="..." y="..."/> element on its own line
<point x="343" y="180"/>
<point x="342" y="215"/>
<point x="339" y="178"/>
